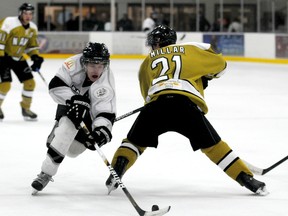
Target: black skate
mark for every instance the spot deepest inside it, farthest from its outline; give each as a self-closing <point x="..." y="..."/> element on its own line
<point x="252" y="184"/>
<point x="40" y="182"/>
<point x="119" y="168"/>
<point x="1" y="115"/>
<point x="29" y="115"/>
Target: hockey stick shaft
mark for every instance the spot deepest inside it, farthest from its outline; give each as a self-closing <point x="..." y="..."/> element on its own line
<point x="140" y="211"/>
<point x="274" y="165"/>
<point x="42" y="77"/>
<point x="129" y="113"/>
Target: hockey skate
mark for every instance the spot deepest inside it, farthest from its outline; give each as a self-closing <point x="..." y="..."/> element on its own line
<point x="252" y="184"/>
<point x="40" y="182"/>
<point x="29" y="115"/>
<point x="119" y="168"/>
<point x="1" y="115"/>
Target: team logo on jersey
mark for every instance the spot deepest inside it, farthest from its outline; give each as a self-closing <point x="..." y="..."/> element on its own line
<point x="101" y="92"/>
<point x="70" y="64"/>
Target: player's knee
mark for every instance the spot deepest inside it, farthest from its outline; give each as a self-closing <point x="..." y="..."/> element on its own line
<point x="75" y="149"/>
<point x="29" y="85"/>
<point x="130" y="151"/>
<point x="217" y="152"/>
<point x="5" y="87"/>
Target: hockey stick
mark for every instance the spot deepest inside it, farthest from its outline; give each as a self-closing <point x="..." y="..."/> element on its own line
<point x="42" y="77"/>
<point x="260" y="171"/>
<point x="129" y="113"/>
<point x="254" y="169"/>
<point x="140" y="211"/>
<point x="182" y="37"/>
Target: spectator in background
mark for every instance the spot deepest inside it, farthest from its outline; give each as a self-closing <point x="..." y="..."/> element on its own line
<point x="235" y="26"/>
<point x="103" y="24"/>
<point x="125" y="24"/>
<point x="161" y="20"/>
<point x="204" y="24"/>
<point x="150" y="22"/>
<point x="87" y="23"/>
<point x="72" y="24"/>
<point x="216" y="26"/>
<point x="48" y="25"/>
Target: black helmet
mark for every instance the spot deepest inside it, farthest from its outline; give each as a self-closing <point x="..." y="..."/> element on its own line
<point x="26" y="7"/>
<point x="95" y="53"/>
<point x="162" y="35"/>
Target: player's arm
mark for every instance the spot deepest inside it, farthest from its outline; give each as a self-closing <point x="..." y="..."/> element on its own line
<point x="60" y="85"/>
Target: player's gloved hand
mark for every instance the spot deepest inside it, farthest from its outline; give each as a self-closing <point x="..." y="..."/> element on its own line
<point x="37" y="62"/>
<point x="101" y="135"/>
<point x="3" y="62"/>
<point x="205" y="81"/>
<point x="77" y="107"/>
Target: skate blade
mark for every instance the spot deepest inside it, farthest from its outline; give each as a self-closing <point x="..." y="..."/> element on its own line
<point x="30" y="119"/>
<point x="111" y="187"/>
<point x="34" y="192"/>
<point x="262" y="191"/>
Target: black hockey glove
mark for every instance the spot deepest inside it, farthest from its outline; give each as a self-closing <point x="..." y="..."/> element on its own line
<point x="101" y="135"/>
<point x="205" y="81"/>
<point x="3" y="62"/>
<point x="77" y="107"/>
<point x="37" y="62"/>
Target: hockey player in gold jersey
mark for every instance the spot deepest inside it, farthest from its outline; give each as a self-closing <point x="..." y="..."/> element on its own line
<point x="172" y="81"/>
<point x="18" y="35"/>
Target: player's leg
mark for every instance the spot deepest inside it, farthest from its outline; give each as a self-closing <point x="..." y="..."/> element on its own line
<point x="5" y="85"/>
<point x="24" y="74"/>
<point x="4" y="89"/>
<point x="223" y="156"/>
<point x="64" y="136"/>
<point x="123" y="159"/>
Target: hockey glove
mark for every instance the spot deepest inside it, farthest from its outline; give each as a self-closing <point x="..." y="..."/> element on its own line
<point x="101" y="135"/>
<point x="205" y="81"/>
<point x="77" y="107"/>
<point x="37" y="62"/>
<point x="3" y="63"/>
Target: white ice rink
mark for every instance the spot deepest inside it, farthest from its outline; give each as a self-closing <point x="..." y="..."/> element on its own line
<point x="248" y="108"/>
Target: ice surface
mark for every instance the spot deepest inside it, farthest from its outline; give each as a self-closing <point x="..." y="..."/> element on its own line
<point x="248" y="107"/>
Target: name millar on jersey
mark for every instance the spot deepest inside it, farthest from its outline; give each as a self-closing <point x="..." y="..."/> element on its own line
<point x="167" y="50"/>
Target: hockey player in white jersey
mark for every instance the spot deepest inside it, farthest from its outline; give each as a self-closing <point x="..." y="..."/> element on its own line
<point x="84" y="90"/>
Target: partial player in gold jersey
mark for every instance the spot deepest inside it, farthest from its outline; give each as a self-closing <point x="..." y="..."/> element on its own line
<point x="18" y="35"/>
<point x="172" y="81"/>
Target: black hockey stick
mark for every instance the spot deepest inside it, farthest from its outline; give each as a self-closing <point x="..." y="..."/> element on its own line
<point x="260" y="171"/>
<point x="129" y="113"/>
<point x="141" y="212"/>
<point x="182" y="37"/>
<point x="254" y="169"/>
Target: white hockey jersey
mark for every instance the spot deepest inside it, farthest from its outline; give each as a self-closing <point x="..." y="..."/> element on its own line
<point x="71" y="79"/>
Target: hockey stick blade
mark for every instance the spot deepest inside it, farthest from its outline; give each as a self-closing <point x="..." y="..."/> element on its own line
<point x="260" y="171"/>
<point x="158" y="212"/>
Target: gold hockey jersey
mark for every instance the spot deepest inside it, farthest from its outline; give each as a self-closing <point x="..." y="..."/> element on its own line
<point x="178" y="69"/>
<point x="15" y="40"/>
